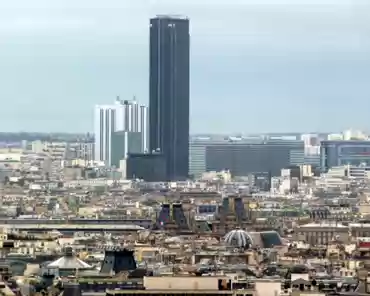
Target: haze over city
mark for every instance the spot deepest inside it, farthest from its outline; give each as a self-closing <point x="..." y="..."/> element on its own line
<point x="215" y="147"/>
<point x="256" y="66"/>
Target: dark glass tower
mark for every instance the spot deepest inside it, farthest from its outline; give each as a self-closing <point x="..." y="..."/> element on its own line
<point x="169" y="92"/>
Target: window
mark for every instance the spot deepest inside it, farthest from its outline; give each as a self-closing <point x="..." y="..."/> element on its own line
<point x="353" y="150"/>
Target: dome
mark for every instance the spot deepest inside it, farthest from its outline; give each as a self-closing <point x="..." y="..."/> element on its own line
<point x="238" y="238"/>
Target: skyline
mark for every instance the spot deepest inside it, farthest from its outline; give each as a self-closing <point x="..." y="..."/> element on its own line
<point x="279" y="67"/>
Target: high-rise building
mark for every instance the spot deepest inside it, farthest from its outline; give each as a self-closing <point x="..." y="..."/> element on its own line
<point x="169" y="92"/>
<point x="120" y="128"/>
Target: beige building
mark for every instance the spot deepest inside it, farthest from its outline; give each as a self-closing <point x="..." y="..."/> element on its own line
<point x="322" y="233"/>
<point x="211" y="285"/>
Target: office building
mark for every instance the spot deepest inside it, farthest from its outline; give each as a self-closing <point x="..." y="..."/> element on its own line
<point x="344" y="152"/>
<point x="144" y="166"/>
<point x="120" y="128"/>
<point x="260" y="181"/>
<point x="169" y="92"/>
<point x="243" y="156"/>
<point x="312" y="148"/>
<point x="197" y="156"/>
<point x="354" y="172"/>
<point x="123" y="143"/>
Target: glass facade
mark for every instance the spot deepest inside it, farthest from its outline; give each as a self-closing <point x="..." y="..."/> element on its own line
<point x="169" y="93"/>
<point x="148" y="167"/>
<point x="243" y="158"/>
<point x="123" y="143"/>
<point x="338" y="153"/>
<point x="197" y="158"/>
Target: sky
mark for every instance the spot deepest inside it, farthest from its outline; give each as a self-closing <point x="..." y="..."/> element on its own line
<point x="256" y="65"/>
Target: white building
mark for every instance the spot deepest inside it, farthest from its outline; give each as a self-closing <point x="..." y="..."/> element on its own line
<point x="122" y="121"/>
<point x="352" y="134"/>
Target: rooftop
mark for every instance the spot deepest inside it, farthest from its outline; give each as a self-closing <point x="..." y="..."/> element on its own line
<point x="50" y="227"/>
<point x="171" y="16"/>
<point x="324" y="224"/>
<point x="69" y="262"/>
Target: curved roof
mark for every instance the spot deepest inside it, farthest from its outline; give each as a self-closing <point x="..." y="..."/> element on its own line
<point x="299" y="268"/>
<point x="270" y="239"/>
<point x="238" y="238"/>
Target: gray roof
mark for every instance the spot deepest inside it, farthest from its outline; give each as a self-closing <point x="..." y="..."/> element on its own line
<point x="73" y="226"/>
<point x="238" y="238"/>
<point x="69" y="262"/>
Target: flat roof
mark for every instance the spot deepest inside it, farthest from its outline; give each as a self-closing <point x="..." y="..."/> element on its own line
<point x="74" y="226"/>
<point x="323" y="225"/>
<point x="168" y="291"/>
<point x="172" y="16"/>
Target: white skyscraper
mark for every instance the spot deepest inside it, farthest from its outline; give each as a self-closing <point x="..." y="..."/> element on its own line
<point x="125" y="121"/>
<point x="144" y="126"/>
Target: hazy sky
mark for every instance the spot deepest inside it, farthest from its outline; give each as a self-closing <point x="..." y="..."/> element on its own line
<point x="256" y="65"/>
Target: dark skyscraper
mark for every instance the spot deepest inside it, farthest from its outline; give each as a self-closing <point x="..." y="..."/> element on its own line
<point x="169" y="92"/>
